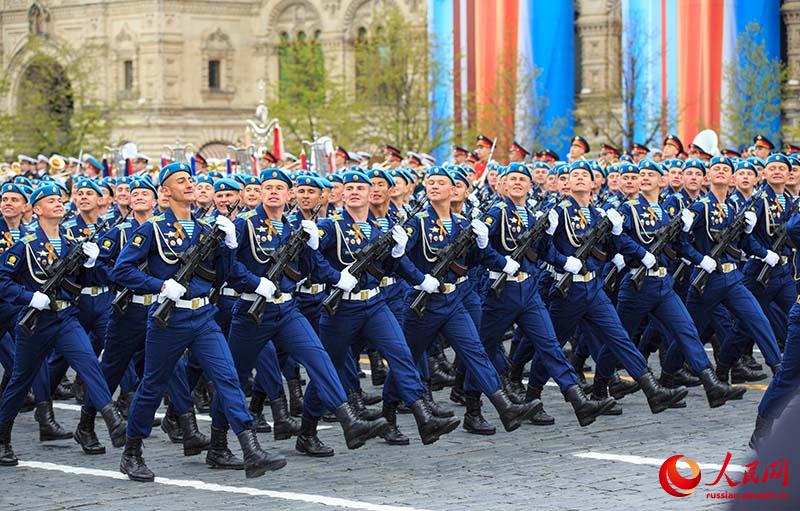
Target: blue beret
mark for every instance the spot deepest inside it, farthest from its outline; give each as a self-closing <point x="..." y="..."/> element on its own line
<point x="648" y="164"/>
<point x="582" y="165"/>
<point x="794" y="160"/>
<point x="694" y="163"/>
<point x="758" y="162"/>
<point x="355" y="176"/>
<point x="91" y="185"/>
<point x="109" y="183"/>
<point x="597" y="168"/>
<point x="94" y="163"/>
<point x="14" y="188"/>
<point x="249" y="180"/>
<point x="325" y="182"/>
<point x="440" y="171"/>
<point x="613" y="168"/>
<point x="214" y="174"/>
<point x="44" y="191"/>
<point x="381" y="174"/>
<point x="745" y="165"/>
<point x="541" y="165"/>
<point x="173" y="168"/>
<point x="724" y="160"/>
<point x="335" y="178"/>
<point x="227" y="184"/>
<point x="143" y="184"/>
<point x="275" y="173"/>
<point x="460" y="174"/>
<point x="395" y="173"/>
<point x="309" y="181"/>
<point x="518" y="168"/>
<point x="627" y="168"/>
<point x="561" y="169"/>
<point x="23" y="181"/>
<point x="204" y="178"/>
<point x="626" y="157"/>
<point x="778" y="158"/>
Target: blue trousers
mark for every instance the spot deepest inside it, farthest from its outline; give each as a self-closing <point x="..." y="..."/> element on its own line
<point x="658" y="298"/>
<point x="729" y="290"/>
<point x="125" y="337"/>
<point x="371" y="320"/>
<point x="586" y="304"/>
<point x="287" y="328"/>
<point x="786" y="382"/>
<point x="59" y="331"/>
<point x="520" y="303"/>
<point x="446" y="315"/>
<point x="41" y="382"/>
<point x="198" y="332"/>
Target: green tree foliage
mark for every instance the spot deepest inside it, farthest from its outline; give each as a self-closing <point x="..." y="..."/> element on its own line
<point x="753" y="101"/>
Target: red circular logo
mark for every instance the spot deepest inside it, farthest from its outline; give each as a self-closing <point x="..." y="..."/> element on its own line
<point x="673" y="482"/>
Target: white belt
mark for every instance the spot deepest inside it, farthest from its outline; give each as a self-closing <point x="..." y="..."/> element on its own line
<point x="277" y="300"/>
<point x="388" y="281"/>
<point x="362" y="296"/>
<point x="726" y="267"/>
<point x="94" y="291"/>
<point x="193" y="304"/>
<point x="660" y="272"/>
<point x="226" y="291"/>
<point x="520" y="276"/>
<point x="313" y="289"/>
<point x="549" y="268"/>
<point x="783" y="259"/>
<point x="144" y="299"/>
<point x="61" y="305"/>
<point x="449" y="287"/>
<point x="588" y="277"/>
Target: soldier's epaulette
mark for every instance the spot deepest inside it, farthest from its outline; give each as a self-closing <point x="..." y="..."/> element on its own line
<point x="459" y="216"/>
<point x="633" y="202"/>
<point x="247" y="214"/>
<point x="564" y="203"/>
<point x="28" y="238"/>
<point x="704" y="200"/>
<point x="157" y="218"/>
<point x="335" y="216"/>
<point x="422" y="214"/>
<point x="124" y="225"/>
<point x="499" y="204"/>
<point x="69" y="224"/>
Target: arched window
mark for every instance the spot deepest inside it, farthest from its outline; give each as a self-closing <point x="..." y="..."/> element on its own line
<point x="301" y="67"/>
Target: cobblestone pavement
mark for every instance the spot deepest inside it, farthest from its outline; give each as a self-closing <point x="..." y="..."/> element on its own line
<point x="532" y="468"/>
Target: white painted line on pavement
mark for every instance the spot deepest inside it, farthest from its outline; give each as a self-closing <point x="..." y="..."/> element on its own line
<point x="639" y="460"/>
<point x="159" y="415"/>
<point x="241" y="490"/>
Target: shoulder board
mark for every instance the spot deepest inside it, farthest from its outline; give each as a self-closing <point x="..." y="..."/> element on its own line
<point x="633" y="202"/>
<point x="124" y="225"/>
<point x="157" y="218"/>
<point x="247" y="214"/>
<point x="28" y="238"/>
<point x="704" y="200"/>
<point x="422" y="214"/>
<point x="335" y="216"/>
<point x="459" y="216"/>
<point x="500" y="204"/>
<point x="564" y="203"/>
<point x="69" y="224"/>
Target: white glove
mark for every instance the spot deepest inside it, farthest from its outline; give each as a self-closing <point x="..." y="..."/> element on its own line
<point x="172" y="290"/>
<point x="39" y="301"/>
<point x="601" y="212"/>
<point x="616" y="221"/>
<point x="538" y="214"/>
<point x="649" y="260"/>
<point x="749" y="221"/>
<point x="313" y="233"/>
<point x="226" y="226"/>
<point x="552" y="217"/>
<point x="481" y="230"/>
<point x="771" y="258"/>
<point x="91" y="251"/>
<point x="687" y="217"/>
<point x="618" y="261"/>
<point x="346" y="281"/>
<point x="400" y="238"/>
<point x="511" y="266"/>
<point x="266" y="288"/>
<point x="573" y="265"/>
<point x="429" y="284"/>
<point x="708" y="264"/>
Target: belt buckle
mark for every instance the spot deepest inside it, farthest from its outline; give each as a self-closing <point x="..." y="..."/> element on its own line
<point x="147" y="299"/>
<point x="196" y="303"/>
<point x="363" y="295"/>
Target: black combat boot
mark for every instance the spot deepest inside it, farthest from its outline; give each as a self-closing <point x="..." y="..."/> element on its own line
<point x="540" y="418"/>
<point x="515" y="398"/>
<point x="86" y="436"/>
<point x="256" y="408"/>
<point x="369" y="399"/>
<point x="761" y="432"/>
<point x="295" y="397"/>
<point x="750" y="361"/>
<point x="132" y="464"/>
<point x="218" y="455"/>
<point x="474" y="422"/>
<point x="78" y="389"/>
<point x="124" y="402"/>
<point x="170" y="426"/>
<point x="391" y="433"/>
<point x="256" y="460"/>
<point x="357" y="402"/>
<point x="115" y="423"/>
<point x="515" y="384"/>
<point x="439" y="377"/>
<point x="740" y="373"/>
<point x="678" y="378"/>
<point x="587" y="410"/>
<point x="716" y="391"/>
<point x="431" y="428"/>
<point x="7" y="456"/>
<point x="600" y="393"/>
<point x="356" y="429"/>
<point x="308" y="442"/>
<point x="202" y="401"/>
<point x="457" y="394"/>
<point x="194" y="442"/>
<point x="436" y="409"/>
<point x="49" y="429"/>
<point x="284" y="426"/>
<point x="377" y="367"/>
<point x="512" y="416"/>
<point x="658" y="397"/>
<point x="619" y="388"/>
